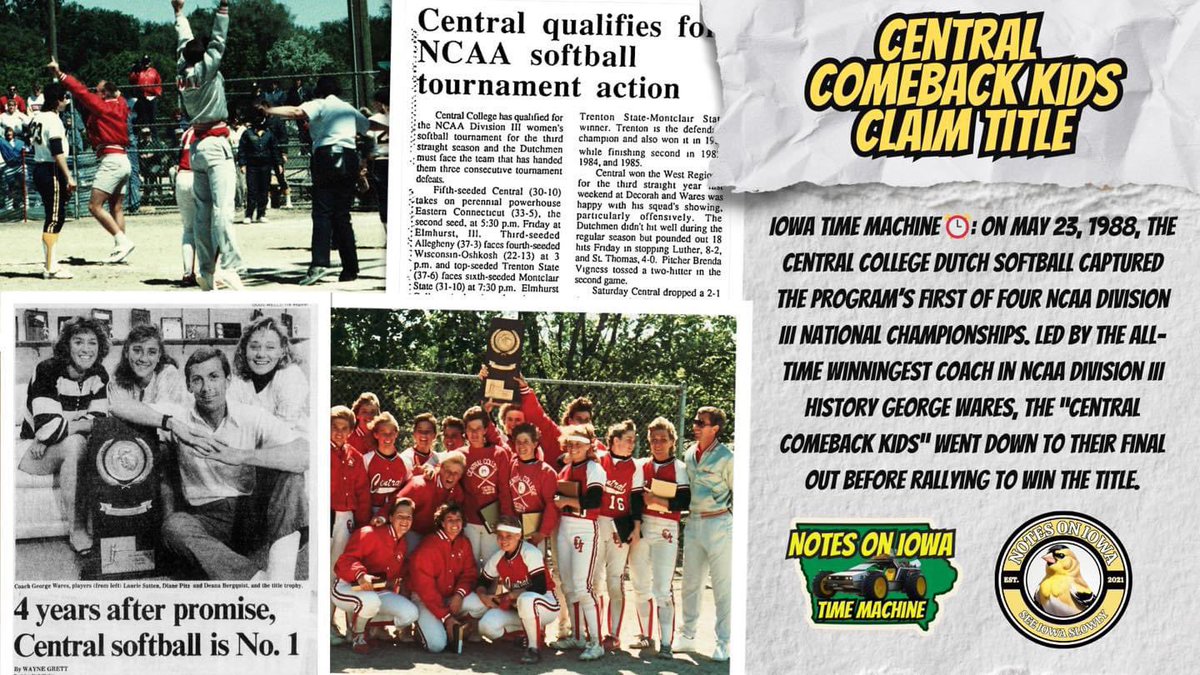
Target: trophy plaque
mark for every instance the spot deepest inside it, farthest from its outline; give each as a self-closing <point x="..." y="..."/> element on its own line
<point x="530" y="523"/>
<point x="503" y="359"/>
<point x="662" y="489"/>
<point x="121" y="475"/>
<point x="490" y="514"/>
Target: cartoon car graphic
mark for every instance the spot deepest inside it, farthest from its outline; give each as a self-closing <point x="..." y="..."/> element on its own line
<point x="874" y="580"/>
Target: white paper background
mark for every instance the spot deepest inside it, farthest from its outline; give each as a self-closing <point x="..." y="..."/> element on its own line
<point x="770" y="138"/>
<point x="1157" y="524"/>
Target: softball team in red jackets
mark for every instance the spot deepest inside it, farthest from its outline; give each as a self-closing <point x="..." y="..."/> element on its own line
<point x="371" y="576"/>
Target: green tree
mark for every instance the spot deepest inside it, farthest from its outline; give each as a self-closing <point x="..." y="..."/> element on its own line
<point x="298" y="54"/>
<point x="254" y="26"/>
<point x="333" y="38"/>
<point x="698" y="351"/>
<point x="86" y="35"/>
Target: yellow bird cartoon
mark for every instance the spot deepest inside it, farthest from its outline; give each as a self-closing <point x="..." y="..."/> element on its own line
<point x="1063" y="592"/>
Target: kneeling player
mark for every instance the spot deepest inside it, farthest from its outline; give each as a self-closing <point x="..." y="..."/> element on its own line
<point x="443" y="577"/>
<point x="372" y="576"/>
<point x="515" y="576"/>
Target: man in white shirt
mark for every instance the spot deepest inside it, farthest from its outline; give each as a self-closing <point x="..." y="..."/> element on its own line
<point x="13" y="119"/>
<point x="250" y="462"/>
<point x="335" y="126"/>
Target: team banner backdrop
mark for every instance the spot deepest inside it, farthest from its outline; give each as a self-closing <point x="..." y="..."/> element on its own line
<point x="920" y="93"/>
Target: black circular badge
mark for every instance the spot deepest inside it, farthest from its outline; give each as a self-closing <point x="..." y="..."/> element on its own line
<point x="1063" y="579"/>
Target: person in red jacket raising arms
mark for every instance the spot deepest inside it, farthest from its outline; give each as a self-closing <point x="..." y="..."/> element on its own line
<point x="372" y="576"/>
<point x="532" y="484"/>
<point x="443" y="580"/>
<point x="108" y="132"/>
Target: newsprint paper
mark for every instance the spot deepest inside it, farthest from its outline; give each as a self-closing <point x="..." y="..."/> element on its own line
<point x="561" y="148"/>
<point x="915" y="280"/>
<point x="179" y="538"/>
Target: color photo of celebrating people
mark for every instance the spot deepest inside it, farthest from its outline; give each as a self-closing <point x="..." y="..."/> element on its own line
<point x="167" y="443"/>
<point x="210" y="144"/>
<point x="539" y="488"/>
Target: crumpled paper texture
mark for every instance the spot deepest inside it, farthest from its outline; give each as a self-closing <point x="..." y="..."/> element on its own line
<point x="770" y="138"/>
<point x="1157" y="524"/>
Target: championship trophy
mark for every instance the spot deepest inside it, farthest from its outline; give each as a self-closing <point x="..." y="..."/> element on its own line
<point x="121" y="473"/>
<point x="503" y="360"/>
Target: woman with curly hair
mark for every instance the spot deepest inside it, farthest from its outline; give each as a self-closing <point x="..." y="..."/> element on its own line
<point x="146" y="373"/>
<point x="267" y="374"/>
<point x="65" y="395"/>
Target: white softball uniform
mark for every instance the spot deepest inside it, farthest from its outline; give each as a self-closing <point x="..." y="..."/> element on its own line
<point x="576" y="542"/>
<point x="532" y="611"/>
<point x="364" y="606"/>
<point x="624" y="482"/>
<point x="433" y="631"/>
<point x="483" y="543"/>
<point x="651" y="568"/>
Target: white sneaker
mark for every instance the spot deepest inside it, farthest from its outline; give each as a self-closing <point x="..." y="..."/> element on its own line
<point x="57" y="273"/>
<point x="315" y="274"/>
<point x="205" y="283"/>
<point x="229" y="279"/>
<point x="568" y="643"/>
<point x="721" y="653"/>
<point x="262" y="220"/>
<point x="120" y="253"/>
<point x="684" y="644"/>
<point x="592" y="652"/>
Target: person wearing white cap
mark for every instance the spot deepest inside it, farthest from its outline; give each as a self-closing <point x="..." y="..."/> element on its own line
<point x="516" y="589"/>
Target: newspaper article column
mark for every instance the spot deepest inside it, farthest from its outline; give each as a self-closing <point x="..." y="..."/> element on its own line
<point x="557" y="148"/>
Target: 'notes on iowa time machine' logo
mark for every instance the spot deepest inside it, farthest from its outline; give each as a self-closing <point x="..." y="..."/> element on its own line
<point x="874" y="574"/>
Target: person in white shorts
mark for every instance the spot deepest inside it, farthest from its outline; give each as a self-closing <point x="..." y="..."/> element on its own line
<point x="516" y="589"/>
<point x="108" y="133"/>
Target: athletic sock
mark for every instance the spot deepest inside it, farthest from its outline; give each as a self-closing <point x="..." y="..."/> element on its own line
<point x="49" y="241"/>
<point x="189" y="259"/>
<point x="666" y="622"/>
<point x="120" y="239"/>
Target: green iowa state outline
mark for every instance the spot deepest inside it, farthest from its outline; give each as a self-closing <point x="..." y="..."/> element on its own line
<point x="866" y="573"/>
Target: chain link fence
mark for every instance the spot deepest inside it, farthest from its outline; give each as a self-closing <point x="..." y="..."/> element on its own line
<point x="407" y="393"/>
<point x="154" y="149"/>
